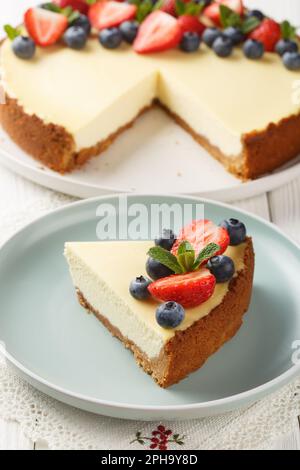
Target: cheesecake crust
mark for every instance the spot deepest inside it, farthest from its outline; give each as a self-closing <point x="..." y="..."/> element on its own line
<point x="263" y="151"/>
<point x="189" y="349"/>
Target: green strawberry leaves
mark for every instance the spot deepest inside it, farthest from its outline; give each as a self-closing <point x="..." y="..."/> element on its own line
<point x="12" y="33"/>
<point x="145" y="7"/>
<point x="287" y="30"/>
<point x="231" y="18"/>
<point x="185" y="260"/>
<point x="190" y="8"/>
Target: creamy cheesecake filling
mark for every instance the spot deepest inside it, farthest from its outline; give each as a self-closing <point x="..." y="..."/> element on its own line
<point x="102" y="271"/>
<point x="93" y="92"/>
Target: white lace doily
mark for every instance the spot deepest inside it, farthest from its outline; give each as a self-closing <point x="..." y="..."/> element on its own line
<point x="63" y="427"/>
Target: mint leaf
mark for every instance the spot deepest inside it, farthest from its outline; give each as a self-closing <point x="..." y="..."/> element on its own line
<point x="91" y="2"/>
<point x="166" y="258"/>
<point x="189" y="8"/>
<point x="179" y="7"/>
<point x="12" y="33"/>
<point x="250" y="24"/>
<point x="210" y="250"/>
<point x="186" y="256"/>
<point x="51" y="7"/>
<point x="287" y="30"/>
<point x="72" y="16"/>
<point x="144" y="9"/>
<point x="229" y="17"/>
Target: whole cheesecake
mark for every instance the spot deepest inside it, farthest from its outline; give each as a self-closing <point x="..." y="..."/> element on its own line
<point x="102" y="272"/>
<point x="65" y="106"/>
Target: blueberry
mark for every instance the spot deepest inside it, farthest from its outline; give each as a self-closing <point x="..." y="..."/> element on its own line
<point x="286" y="45"/>
<point x="190" y="42"/>
<point x="156" y="270"/>
<point x="23" y="47"/>
<point x="291" y="60"/>
<point x="83" y="22"/>
<point x="129" y="30"/>
<point x="236" y="231"/>
<point x="256" y="13"/>
<point x="222" y="267"/>
<point x="170" y="314"/>
<point x="110" y="38"/>
<point x="75" y="37"/>
<point x="210" y="35"/>
<point x="222" y="46"/>
<point x="139" y="288"/>
<point x="167" y="239"/>
<point x="253" y="49"/>
<point x="234" y="34"/>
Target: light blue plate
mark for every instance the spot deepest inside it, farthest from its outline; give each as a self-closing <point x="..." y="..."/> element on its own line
<point x="69" y="355"/>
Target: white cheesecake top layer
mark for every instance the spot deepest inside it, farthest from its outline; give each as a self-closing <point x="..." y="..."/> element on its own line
<point x="94" y="91"/>
<point x="102" y="271"/>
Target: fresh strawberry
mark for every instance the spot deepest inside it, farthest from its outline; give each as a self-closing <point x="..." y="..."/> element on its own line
<point x="79" y="5"/>
<point x="158" y="32"/>
<point x="200" y="233"/>
<point x="268" y="32"/>
<point x="213" y="10"/>
<point x="169" y="6"/>
<point x="107" y="14"/>
<point x="44" y="26"/>
<point x="189" y="23"/>
<point x="189" y="290"/>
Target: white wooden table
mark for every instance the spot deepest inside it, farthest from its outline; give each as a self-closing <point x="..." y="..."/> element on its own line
<point x="281" y="206"/>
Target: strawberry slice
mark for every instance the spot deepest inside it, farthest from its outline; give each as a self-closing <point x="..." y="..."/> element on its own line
<point x="169" y="6"/>
<point x="79" y="5"/>
<point x="268" y="32"/>
<point x="213" y="10"/>
<point x="158" y="32"/>
<point x="189" y="290"/>
<point x="189" y="23"/>
<point x="200" y="233"/>
<point x="107" y="14"/>
<point x="44" y="27"/>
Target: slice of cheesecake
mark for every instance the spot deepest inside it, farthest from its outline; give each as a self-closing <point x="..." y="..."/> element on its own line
<point x="102" y="272"/>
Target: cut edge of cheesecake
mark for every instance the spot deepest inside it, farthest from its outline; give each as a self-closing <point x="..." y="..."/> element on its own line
<point x="189" y="349"/>
<point x="51" y="144"/>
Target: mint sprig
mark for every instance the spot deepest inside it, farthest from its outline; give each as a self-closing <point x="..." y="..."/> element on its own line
<point x="249" y="24"/>
<point x="287" y="30"/>
<point x="231" y="18"/>
<point x="145" y="7"/>
<point x="12" y="33"/>
<point x="68" y="11"/>
<point x="190" y="8"/>
<point x="185" y="260"/>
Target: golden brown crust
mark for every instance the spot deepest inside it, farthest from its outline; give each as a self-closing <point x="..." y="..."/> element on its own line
<point x="190" y="348"/>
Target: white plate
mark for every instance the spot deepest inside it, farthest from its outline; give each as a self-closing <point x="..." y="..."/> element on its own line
<point x="156" y="156"/>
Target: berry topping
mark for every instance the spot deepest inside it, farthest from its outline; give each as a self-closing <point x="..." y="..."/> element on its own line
<point x="170" y="314"/>
<point x="210" y="35"/>
<point x="190" y="42"/>
<point x="158" y="32"/>
<point x="201" y="233"/>
<point x="189" y="289"/>
<point x="167" y="239"/>
<point x="106" y="14"/>
<point x="83" y="22"/>
<point x="129" y="30"/>
<point x="191" y="24"/>
<point x="268" y="32"/>
<point x="139" y="288"/>
<point x="23" y="47"/>
<point x="255" y="14"/>
<point x="291" y="60"/>
<point x="75" y="37"/>
<point x="110" y="38"/>
<point x="79" y="5"/>
<point x="213" y="11"/>
<point x="222" y="267"/>
<point x="157" y="270"/>
<point x="234" y="34"/>
<point x="169" y="6"/>
<point x="286" y="45"/>
<point x="223" y="46"/>
<point x="45" y="27"/>
<point x="236" y="231"/>
<point x="253" y="49"/>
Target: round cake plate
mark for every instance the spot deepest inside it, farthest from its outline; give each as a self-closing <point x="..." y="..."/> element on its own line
<point x="53" y="344"/>
<point x="154" y="156"/>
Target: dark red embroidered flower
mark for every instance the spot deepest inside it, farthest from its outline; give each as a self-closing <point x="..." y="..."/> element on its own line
<point x="161" y="438"/>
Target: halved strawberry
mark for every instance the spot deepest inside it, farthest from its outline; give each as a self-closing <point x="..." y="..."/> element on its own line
<point x="44" y="27"/>
<point x="107" y="14"/>
<point x="169" y="6"/>
<point x="189" y="290"/>
<point x="158" y="32"/>
<point x="268" y="32"/>
<point x="189" y="23"/>
<point x="79" y="5"/>
<point x="200" y="233"/>
<point x="213" y="10"/>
